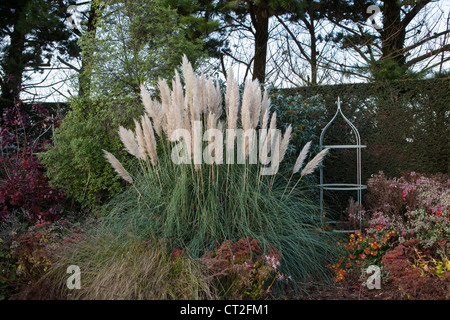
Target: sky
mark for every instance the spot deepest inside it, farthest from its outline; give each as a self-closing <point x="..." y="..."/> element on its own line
<point x="58" y="82"/>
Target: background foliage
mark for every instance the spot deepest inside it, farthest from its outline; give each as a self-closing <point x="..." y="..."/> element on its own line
<point x="76" y="163"/>
<point x="134" y="48"/>
<point x="404" y="123"/>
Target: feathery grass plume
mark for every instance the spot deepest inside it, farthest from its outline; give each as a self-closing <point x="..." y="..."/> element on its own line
<point x="265" y="119"/>
<point x="187" y="121"/>
<point x="301" y="157"/>
<point x="263" y="133"/>
<point x="267" y="138"/>
<point x="150" y="140"/>
<point x="140" y="140"/>
<point x="153" y="109"/>
<point x="314" y="163"/>
<point x="169" y="110"/>
<point x="194" y="106"/>
<point x="189" y="79"/>
<point x="201" y="92"/>
<point x="285" y="142"/>
<point x="118" y="167"/>
<point x="265" y="104"/>
<point x="211" y="121"/>
<point x="247" y="100"/>
<point x="211" y="124"/>
<point x="273" y="126"/>
<point x="146" y="100"/>
<point x="177" y="102"/>
<point x="232" y="109"/>
<point x="232" y="101"/>
<point x="197" y="125"/>
<point x="275" y="160"/>
<point x="256" y="103"/>
<point x="213" y="98"/>
<point x="129" y="141"/>
<point x="219" y="107"/>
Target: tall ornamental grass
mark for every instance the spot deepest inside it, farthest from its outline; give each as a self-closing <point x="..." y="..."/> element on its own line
<point x="199" y="184"/>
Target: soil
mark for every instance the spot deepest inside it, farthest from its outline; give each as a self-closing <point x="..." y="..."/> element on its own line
<point x="354" y="289"/>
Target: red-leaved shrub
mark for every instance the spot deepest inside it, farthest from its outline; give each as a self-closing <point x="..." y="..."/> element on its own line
<point x="24" y="189"/>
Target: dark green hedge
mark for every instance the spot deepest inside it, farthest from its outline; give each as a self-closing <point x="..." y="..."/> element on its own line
<point x="404" y="123"/>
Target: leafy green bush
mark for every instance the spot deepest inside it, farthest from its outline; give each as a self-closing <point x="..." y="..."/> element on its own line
<point x="75" y="162"/>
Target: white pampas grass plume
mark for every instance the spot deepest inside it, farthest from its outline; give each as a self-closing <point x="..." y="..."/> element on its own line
<point x="213" y="98"/>
<point x="272" y="127"/>
<point x="189" y="77"/>
<point x="194" y="105"/>
<point x="285" y="142"/>
<point x="201" y="93"/>
<point x="256" y="103"/>
<point x="146" y="100"/>
<point x="177" y="106"/>
<point x="157" y="114"/>
<point x="219" y="107"/>
<point x="314" y="163"/>
<point x="118" y="167"/>
<point x="211" y="122"/>
<point x="247" y="100"/>
<point x="232" y="101"/>
<point x="268" y="136"/>
<point x="140" y="140"/>
<point x="153" y="109"/>
<point x="129" y="141"/>
<point x="277" y="145"/>
<point x="150" y="141"/>
<point x="265" y="120"/>
<point x="301" y="158"/>
<point x="168" y="120"/>
<point x="265" y="104"/>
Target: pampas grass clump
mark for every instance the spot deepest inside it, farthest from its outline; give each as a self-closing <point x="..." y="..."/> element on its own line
<point x="194" y="203"/>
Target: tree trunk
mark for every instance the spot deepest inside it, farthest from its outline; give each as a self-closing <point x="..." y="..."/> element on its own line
<point x="85" y="75"/>
<point x="393" y="33"/>
<point x="313" y="57"/>
<point x="260" y="20"/>
<point x="14" y="65"/>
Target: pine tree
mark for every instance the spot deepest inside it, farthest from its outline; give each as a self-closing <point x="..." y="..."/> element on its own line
<point x="31" y="31"/>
